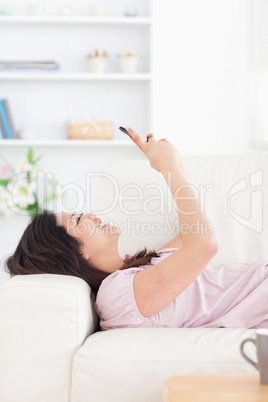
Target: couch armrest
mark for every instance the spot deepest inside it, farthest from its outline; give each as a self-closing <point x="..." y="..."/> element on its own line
<point x="44" y="320"/>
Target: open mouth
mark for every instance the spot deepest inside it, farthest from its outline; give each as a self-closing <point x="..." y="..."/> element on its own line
<point x="102" y="226"/>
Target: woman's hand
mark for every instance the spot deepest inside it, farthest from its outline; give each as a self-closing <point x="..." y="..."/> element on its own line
<point x="162" y="154"/>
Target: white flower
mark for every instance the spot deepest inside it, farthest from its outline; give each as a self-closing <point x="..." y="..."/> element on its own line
<point x="30" y="187"/>
<point x="25" y="166"/>
<point x="22" y="192"/>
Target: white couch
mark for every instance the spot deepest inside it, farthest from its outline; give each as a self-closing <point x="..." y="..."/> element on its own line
<point x="48" y="351"/>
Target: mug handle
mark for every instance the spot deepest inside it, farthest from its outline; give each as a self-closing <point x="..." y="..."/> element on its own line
<point x="244" y="354"/>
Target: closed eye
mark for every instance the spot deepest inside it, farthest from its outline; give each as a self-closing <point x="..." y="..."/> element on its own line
<point x="78" y="219"/>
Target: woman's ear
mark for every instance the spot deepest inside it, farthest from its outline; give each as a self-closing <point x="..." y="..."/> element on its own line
<point x="84" y="254"/>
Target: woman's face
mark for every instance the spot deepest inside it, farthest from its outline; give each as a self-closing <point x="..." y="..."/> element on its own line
<point x="88" y="229"/>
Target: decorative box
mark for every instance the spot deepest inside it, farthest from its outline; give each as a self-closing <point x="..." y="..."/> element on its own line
<point x="89" y="129"/>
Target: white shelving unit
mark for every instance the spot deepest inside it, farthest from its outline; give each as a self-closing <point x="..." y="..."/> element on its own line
<point x="43" y="101"/>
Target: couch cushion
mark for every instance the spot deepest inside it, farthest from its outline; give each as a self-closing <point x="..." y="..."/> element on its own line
<point x="132" y="364"/>
<point x="232" y="188"/>
<point x="44" y="320"/>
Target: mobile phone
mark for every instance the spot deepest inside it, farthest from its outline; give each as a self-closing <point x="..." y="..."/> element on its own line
<point x="124" y="131"/>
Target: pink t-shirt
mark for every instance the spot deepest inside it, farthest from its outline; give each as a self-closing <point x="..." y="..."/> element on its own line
<point x="231" y="295"/>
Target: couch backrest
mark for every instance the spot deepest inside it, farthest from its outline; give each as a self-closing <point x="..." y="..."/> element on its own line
<point x="44" y="319"/>
<point x="233" y="190"/>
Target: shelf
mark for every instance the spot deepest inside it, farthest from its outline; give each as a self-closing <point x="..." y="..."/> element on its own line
<point x="73" y="84"/>
<point x="66" y="143"/>
<point x="58" y="76"/>
<point x="46" y="19"/>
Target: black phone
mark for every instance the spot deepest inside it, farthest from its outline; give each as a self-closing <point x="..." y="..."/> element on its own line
<point x="124" y="131"/>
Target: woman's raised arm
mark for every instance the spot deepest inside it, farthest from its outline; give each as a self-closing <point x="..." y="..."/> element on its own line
<point x="159" y="285"/>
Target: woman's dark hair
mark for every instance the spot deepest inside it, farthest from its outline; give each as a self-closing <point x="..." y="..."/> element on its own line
<point x="46" y="247"/>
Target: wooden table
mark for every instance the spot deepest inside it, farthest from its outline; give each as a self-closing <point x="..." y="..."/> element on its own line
<point x="215" y="388"/>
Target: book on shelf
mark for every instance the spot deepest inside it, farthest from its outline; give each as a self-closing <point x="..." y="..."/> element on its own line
<point x="7" y="129"/>
<point x="1" y="132"/>
<point x="28" y="65"/>
<point x="2" y="128"/>
<point x="10" y="119"/>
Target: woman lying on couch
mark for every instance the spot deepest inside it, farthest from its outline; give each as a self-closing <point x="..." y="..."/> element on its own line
<point x="171" y="287"/>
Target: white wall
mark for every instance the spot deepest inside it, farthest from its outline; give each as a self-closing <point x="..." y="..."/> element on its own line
<point x="202" y="74"/>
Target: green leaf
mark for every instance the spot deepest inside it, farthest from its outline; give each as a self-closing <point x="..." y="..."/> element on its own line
<point x="37" y="159"/>
<point x="30" y="156"/>
<point x="31" y="159"/>
<point x="33" y="209"/>
<point x="4" y="182"/>
<point x="51" y="197"/>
